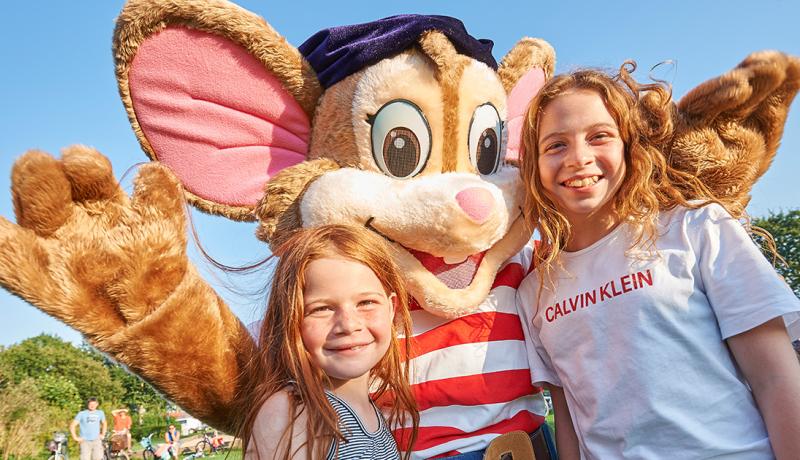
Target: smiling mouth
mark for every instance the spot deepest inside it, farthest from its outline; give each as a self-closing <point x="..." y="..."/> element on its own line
<point x="348" y="348"/>
<point x="454" y="275"/>
<point x="581" y="182"/>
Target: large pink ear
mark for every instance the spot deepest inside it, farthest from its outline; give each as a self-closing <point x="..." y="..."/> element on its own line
<point x="217" y="96"/>
<point x="523" y="71"/>
<point x="518" y="100"/>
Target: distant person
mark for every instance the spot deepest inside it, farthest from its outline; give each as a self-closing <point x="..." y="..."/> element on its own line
<point x="122" y="425"/>
<point x="173" y="438"/>
<point x="217" y="440"/>
<point x="93" y="429"/>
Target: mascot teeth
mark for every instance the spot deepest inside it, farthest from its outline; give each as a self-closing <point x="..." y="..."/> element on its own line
<point x="453" y="260"/>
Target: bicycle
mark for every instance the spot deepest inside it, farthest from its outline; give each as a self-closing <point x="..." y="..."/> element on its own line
<point x="112" y="450"/>
<point x="58" y="446"/>
<point x="207" y="446"/>
<point x="149" y="452"/>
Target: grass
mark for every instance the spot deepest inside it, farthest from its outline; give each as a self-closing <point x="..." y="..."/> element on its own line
<point x="235" y="454"/>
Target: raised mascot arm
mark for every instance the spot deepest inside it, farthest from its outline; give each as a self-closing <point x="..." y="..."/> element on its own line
<point x="728" y="129"/>
<point x="115" y="268"/>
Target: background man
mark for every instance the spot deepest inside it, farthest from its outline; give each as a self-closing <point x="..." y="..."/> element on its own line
<point x="93" y="429"/>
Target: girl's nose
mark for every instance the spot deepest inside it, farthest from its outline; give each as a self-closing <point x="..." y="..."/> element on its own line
<point x="347" y="322"/>
<point x="476" y="202"/>
<point x="579" y="155"/>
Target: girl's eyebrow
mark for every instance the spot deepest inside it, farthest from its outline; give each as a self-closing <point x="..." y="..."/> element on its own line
<point x="602" y="124"/>
<point x="313" y="300"/>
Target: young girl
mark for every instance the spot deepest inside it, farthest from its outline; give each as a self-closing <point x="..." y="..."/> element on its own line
<point x="654" y="320"/>
<point x="329" y="337"/>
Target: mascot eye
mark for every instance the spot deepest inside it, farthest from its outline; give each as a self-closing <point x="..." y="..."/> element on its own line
<point x="401" y="139"/>
<point x="485" y="136"/>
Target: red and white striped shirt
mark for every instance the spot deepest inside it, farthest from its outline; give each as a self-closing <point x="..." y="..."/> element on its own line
<point x="470" y="375"/>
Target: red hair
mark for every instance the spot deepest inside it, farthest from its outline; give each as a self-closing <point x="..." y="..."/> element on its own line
<point x="281" y="357"/>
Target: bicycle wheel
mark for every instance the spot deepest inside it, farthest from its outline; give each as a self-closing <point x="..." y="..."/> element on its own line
<point x="148" y="454"/>
<point x="204" y="447"/>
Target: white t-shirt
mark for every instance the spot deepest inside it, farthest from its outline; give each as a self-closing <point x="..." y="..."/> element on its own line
<point x="637" y="344"/>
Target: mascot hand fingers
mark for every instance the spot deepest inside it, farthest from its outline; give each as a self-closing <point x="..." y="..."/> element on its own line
<point x="158" y="195"/>
<point x="41" y="192"/>
<point x="90" y="175"/>
<point x="63" y="282"/>
<point x="24" y="263"/>
<point x="764" y="82"/>
<point x="155" y="259"/>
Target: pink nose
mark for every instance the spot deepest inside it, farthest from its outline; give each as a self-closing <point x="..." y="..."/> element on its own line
<point x="477" y="202"/>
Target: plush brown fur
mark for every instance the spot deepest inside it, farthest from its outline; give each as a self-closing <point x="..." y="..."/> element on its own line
<point x="116" y="269"/>
<point x="449" y="67"/>
<point x="728" y="129"/>
<point x="277" y="212"/>
<point x="333" y="135"/>
<point x="141" y="19"/>
<point x="528" y="53"/>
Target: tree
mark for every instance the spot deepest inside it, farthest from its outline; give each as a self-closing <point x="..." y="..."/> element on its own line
<point x="23" y="416"/>
<point x="44" y="382"/>
<point x="785" y="230"/>
<point x="48" y="355"/>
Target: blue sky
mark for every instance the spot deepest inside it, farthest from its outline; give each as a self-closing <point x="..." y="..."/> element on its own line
<point x="57" y="87"/>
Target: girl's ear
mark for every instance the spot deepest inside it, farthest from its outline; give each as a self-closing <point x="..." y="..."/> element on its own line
<point x="523" y="72"/>
<point x="395" y="303"/>
<point x="214" y="93"/>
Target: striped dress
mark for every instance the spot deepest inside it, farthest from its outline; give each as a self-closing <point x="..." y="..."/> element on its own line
<point x="470" y="375"/>
<point x="360" y="444"/>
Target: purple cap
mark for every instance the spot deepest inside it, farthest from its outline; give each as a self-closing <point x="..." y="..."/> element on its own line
<point x="339" y="52"/>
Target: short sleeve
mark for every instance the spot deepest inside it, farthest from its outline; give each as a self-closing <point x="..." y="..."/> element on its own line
<point x="102" y="416"/>
<point x="78" y="416"/>
<point x="539" y="360"/>
<point x="742" y="287"/>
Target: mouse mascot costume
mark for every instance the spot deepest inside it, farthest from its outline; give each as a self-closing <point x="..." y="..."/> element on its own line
<point x="405" y="125"/>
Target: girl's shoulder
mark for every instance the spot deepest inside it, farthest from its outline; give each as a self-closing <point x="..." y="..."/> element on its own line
<point x="698" y="213"/>
<point x="280" y="401"/>
<point x="272" y="424"/>
<point x="278" y="411"/>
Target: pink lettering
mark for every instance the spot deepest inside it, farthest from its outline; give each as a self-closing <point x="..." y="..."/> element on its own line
<point x="548" y="314"/>
<point x="626" y="283"/>
<point x="590" y="297"/>
<point x="614" y="289"/>
<point x="573" y="303"/>
<point x="647" y="279"/>
<point x="604" y="292"/>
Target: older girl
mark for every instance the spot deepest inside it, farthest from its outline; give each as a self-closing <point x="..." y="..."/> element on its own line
<point x="655" y="320"/>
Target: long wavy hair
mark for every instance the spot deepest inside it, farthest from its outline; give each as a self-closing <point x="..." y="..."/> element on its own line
<point x="644" y="116"/>
<point x="281" y="357"/>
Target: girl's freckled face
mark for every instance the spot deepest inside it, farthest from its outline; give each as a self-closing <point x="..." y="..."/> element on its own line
<point x="347" y="324"/>
<point x="581" y="155"/>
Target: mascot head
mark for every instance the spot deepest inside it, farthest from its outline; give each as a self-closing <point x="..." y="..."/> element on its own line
<point x="400" y="125"/>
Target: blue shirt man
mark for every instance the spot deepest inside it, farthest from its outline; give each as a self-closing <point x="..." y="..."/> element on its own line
<point x="93" y="427"/>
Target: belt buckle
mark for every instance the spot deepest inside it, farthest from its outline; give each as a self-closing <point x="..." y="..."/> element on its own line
<point x="515" y="445"/>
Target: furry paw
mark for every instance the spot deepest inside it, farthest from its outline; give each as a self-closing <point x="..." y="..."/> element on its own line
<point x="728" y="129"/>
<point x="84" y="252"/>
